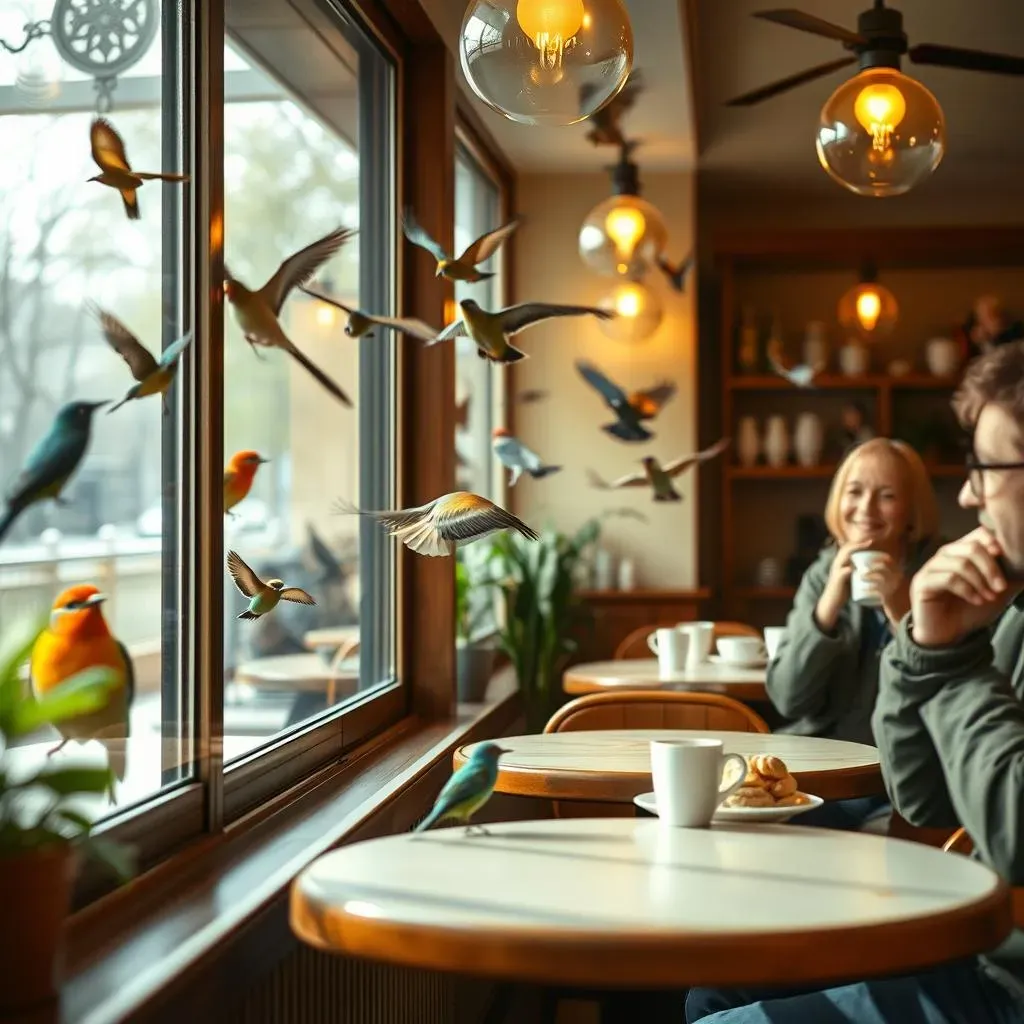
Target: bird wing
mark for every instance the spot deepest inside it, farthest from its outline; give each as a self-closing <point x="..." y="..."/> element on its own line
<point x="301" y="266"/>
<point x="317" y="294"/>
<point x="408" y="325"/>
<point x="129" y="677"/>
<point x="611" y="393"/>
<point x="487" y="245"/>
<point x="107" y="146"/>
<point x="245" y="579"/>
<point x="469" y="781"/>
<point x="171" y="353"/>
<point x="296" y="594"/>
<point x="639" y="479"/>
<point x="54" y="457"/>
<point x="596" y="480"/>
<point x="657" y="396"/>
<point x="517" y="318"/>
<point x="139" y="359"/>
<point x="464" y="516"/>
<point x="322" y="553"/>
<point x="677" y="466"/>
<point x="412" y="230"/>
<point x="453" y="330"/>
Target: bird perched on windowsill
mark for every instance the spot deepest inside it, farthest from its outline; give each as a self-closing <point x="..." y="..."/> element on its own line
<point x="515" y="456"/>
<point x="463" y="268"/>
<point x="467" y="790"/>
<point x="630" y="408"/>
<point x="263" y="596"/>
<point x="659" y="478"/>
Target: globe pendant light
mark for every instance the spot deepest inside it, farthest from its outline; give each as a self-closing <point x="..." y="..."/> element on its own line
<point x="868" y="308"/>
<point x="551" y="62"/>
<point x="637" y="309"/>
<point x="624" y="234"/>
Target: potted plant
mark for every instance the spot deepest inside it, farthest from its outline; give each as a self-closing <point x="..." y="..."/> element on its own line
<point x="542" y="611"/>
<point x="41" y="829"/>
<point x="474" y="657"/>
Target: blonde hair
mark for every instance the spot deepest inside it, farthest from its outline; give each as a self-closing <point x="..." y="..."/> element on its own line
<point x="924" y="509"/>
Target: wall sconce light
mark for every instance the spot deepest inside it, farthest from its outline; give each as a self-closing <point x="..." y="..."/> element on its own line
<point x="868" y="308"/>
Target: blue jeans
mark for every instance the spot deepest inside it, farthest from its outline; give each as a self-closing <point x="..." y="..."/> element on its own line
<point x="848" y="815"/>
<point x="960" y="993"/>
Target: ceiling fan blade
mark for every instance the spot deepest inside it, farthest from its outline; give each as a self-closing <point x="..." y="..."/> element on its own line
<point x="767" y="91"/>
<point x="792" y="18"/>
<point x="966" y="60"/>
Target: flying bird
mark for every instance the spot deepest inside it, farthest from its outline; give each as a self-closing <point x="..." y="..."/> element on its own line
<point x="76" y="640"/>
<point x="332" y="569"/>
<point x="263" y="597"/>
<point x="108" y="152"/>
<point x="239" y="474"/>
<point x="154" y="376"/>
<point x="491" y="331"/>
<point x="467" y="790"/>
<point x="361" y="325"/>
<point x="463" y="268"/>
<point x="531" y="395"/>
<point x="439" y="527"/>
<point x="630" y="408"/>
<point x="676" y="272"/>
<point x="604" y="128"/>
<point x="52" y="462"/>
<point x="801" y="376"/>
<point x="257" y="311"/>
<point x="515" y="456"/>
<point x="659" y="477"/>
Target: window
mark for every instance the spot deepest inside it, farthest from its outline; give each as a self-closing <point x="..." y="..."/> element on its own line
<point x="308" y="146"/>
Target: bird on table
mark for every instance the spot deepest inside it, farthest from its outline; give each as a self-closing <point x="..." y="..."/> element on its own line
<point x="491" y="331"/>
<point x="463" y="268"/>
<point x="263" y="596"/>
<point x="257" y="311"/>
<point x="108" y="152"/>
<point x="630" y="408"/>
<point x="659" y="478"/>
<point x="52" y="462"/>
<point x="360" y="325"/>
<point x="467" y="790"/>
<point x="154" y="375"/>
<point x="78" y="639"/>
<point x="515" y="456"/>
<point x="437" y="528"/>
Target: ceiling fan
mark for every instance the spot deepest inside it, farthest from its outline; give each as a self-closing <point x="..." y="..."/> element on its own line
<point x="879" y="42"/>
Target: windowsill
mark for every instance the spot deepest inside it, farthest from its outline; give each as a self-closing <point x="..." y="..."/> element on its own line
<point x="133" y="948"/>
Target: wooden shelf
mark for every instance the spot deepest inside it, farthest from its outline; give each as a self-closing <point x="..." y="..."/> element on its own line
<point x="841" y="382"/>
<point x="755" y="593"/>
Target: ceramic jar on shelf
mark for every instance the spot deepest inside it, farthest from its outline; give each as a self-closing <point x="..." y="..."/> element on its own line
<point x="816" y="344"/>
<point x="808" y="439"/>
<point x="854" y="359"/>
<point x="942" y="356"/>
<point x="776" y="441"/>
<point x="748" y="441"/>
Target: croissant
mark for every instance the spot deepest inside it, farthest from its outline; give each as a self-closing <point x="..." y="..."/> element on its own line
<point x="768" y="765"/>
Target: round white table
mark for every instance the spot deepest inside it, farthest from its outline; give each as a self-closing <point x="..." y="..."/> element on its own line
<point x="744" y="684"/>
<point x="628" y="902"/>
<point x="614" y="765"/>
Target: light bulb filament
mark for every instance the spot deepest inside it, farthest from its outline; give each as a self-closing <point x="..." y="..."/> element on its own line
<point x="550" y="49"/>
<point x="869" y="308"/>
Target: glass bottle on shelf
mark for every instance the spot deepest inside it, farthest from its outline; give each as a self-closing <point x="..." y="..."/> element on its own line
<point x="747" y="354"/>
<point x="774" y="347"/>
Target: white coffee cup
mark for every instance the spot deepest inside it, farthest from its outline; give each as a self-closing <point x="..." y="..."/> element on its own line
<point x="741" y="650"/>
<point x="861" y="590"/>
<point x="670" y="646"/>
<point x="701" y="636"/>
<point x="687" y="776"/>
<point x="772" y="638"/>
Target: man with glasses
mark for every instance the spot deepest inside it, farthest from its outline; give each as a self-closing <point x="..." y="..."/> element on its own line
<point x="949" y="724"/>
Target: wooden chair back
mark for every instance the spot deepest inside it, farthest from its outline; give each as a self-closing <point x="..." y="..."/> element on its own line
<point x="635" y="644"/>
<point x="961" y="842"/>
<point x="646" y="709"/>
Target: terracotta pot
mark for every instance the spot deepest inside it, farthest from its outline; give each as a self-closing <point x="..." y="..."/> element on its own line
<point x="35" y="897"/>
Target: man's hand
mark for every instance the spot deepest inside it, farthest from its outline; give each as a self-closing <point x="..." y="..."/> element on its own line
<point x="886" y="576"/>
<point x="960" y="589"/>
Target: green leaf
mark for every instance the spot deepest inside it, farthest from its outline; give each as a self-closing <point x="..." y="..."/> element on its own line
<point x="70" y="781"/>
<point x="88" y="691"/>
<point x="79" y="822"/>
<point x="15" y="650"/>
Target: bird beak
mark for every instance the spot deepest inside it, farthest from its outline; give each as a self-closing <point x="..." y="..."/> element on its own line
<point x="262" y="461"/>
<point x="504" y="750"/>
<point x="96" y="599"/>
<point x="99" y="405"/>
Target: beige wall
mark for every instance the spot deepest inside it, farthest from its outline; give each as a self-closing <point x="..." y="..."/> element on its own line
<point x="565" y="429"/>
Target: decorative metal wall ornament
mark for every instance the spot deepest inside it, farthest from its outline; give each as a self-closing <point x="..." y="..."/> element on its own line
<point x="101" y="38"/>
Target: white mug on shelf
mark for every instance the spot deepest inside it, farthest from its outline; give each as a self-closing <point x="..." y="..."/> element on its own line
<point x="687" y="776"/>
<point x="670" y="646"/>
<point x="861" y="590"/>
<point x="701" y="636"/>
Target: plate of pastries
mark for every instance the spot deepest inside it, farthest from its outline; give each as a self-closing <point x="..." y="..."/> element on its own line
<point x="769" y="793"/>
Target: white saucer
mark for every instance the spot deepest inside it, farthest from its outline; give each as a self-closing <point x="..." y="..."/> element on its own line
<point x="760" y="662"/>
<point x="773" y="815"/>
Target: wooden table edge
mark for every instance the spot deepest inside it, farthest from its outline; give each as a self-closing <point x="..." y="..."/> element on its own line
<point x="675" y="960"/>
<point x="739" y="691"/>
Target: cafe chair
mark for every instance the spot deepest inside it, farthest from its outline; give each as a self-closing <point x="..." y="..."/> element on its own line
<point x="635" y="645"/>
<point x="959" y="842"/>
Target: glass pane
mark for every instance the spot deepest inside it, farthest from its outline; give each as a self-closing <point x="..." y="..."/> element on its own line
<point x="477" y="210"/>
<point x="69" y="249"/>
<point x="307" y="151"/>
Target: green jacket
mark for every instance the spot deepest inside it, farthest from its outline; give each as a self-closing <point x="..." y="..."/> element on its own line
<point x="949" y="723"/>
<point x="826" y="683"/>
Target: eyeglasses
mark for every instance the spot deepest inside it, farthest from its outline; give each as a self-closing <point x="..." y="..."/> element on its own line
<point x="976" y="472"/>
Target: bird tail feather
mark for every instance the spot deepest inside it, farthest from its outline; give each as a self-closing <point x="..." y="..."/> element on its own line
<point x="543" y="471"/>
<point x="430" y="819"/>
<point x="7" y="521"/>
<point x="322" y="377"/>
<point x="671" y="496"/>
<point x="627" y="432"/>
<point x="248" y="615"/>
<point x="483" y="276"/>
<point x="512" y="355"/>
<point x="117" y="756"/>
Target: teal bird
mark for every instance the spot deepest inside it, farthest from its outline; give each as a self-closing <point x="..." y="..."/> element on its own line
<point x="51" y="463"/>
<point x="263" y="597"/>
<point x="468" y="789"/>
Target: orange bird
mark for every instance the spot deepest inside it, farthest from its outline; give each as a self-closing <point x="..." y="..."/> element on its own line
<point x="239" y="475"/>
<point x="77" y="639"/>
